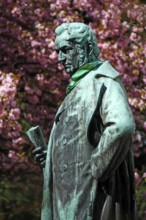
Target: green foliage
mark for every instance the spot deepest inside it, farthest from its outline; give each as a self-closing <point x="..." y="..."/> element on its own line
<point x="20" y="198"/>
<point x="141" y="199"/>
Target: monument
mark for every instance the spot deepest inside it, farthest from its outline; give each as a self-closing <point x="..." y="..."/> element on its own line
<point x="89" y="169"/>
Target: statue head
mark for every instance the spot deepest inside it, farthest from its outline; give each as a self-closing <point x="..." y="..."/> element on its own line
<point x="76" y="45"/>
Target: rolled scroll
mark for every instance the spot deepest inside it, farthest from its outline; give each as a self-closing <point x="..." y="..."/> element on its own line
<point x="36" y="137"/>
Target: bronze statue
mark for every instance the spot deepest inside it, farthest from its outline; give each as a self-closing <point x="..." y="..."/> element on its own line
<point x="88" y="172"/>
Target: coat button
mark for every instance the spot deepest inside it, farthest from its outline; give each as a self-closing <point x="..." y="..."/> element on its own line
<point x="64" y="141"/>
<point x="65" y="167"/>
<point x="66" y="119"/>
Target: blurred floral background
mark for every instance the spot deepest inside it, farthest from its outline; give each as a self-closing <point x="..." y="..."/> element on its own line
<point x="32" y="86"/>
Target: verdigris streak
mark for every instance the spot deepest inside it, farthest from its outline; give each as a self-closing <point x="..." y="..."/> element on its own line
<point x="89" y="167"/>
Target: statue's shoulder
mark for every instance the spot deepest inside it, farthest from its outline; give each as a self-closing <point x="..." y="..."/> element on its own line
<point x="106" y="74"/>
<point x="106" y="70"/>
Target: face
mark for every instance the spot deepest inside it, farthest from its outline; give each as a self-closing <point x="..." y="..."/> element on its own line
<point x="70" y="54"/>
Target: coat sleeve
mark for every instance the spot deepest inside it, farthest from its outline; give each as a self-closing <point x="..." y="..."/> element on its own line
<point x="117" y="136"/>
<point x="46" y="211"/>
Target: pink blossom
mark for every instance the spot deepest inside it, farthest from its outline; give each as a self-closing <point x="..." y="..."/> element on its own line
<point x="138" y="137"/>
<point x="29" y="90"/>
<point x="144" y="80"/>
<point x="37" y="91"/>
<point x="52" y="6"/>
<point x="18" y="141"/>
<point x="17" y="127"/>
<point x="144" y="175"/>
<point x="14" y="114"/>
<point x="137" y="178"/>
<point x="105" y="45"/>
<point x="41" y="80"/>
<point x="14" y="158"/>
<point x="14" y="134"/>
<point x="1" y="125"/>
<point x="133" y="36"/>
<point x="1" y="109"/>
<point x="53" y="56"/>
<point x="125" y="24"/>
<point x="16" y="11"/>
<point x="50" y="43"/>
<point x="13" y="103"/>
<point x="29" y="117"/>
<point x="35" y="43"/>
<point x="144" y="125"/>
<point x="137" y="29"/>
<point x="33" y="99"/>
<point x="131" y="55"/>
<point x="11" y="154"/>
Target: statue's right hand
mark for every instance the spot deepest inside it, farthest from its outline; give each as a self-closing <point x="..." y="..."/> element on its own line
<point x="40" y="156"/>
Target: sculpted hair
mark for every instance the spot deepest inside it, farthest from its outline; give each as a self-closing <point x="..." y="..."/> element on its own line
<point x="79" y="32"/>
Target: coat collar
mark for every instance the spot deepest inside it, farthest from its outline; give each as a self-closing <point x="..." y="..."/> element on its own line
<point x="107" y="70"/>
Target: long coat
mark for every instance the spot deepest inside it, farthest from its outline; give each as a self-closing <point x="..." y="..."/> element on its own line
<point x="89" y="167"/>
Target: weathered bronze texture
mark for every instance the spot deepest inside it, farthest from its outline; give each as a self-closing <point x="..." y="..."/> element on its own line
<point x="89" y="166"/>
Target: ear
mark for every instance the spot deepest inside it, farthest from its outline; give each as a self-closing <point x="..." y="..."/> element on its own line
<point x="90" y="47"/>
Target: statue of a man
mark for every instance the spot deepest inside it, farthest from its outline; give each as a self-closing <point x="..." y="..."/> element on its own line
<point x="89" y="166"/>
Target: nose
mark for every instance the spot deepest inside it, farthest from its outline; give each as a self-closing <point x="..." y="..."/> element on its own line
<point x="61" y="56"/>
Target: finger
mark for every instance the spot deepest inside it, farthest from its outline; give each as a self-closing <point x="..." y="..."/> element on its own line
<point x="43" y="164"/>
<point x="45" y="152"/>
<point x="42" y="159"/>
<point x="37" y="150"/>
<point x="41" y="155"/>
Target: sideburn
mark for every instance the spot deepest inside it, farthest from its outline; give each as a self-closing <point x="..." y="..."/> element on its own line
<point x="75" y="61"/>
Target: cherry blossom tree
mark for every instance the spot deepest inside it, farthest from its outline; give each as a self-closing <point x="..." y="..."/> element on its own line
<point x="32" y="83"/>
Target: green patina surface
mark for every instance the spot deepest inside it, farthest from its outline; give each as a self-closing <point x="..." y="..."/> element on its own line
<point x="90" y="159"/>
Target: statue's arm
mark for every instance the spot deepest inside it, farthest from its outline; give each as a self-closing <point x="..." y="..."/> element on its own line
<point x="40" y="151"/>
<point x="117" y="136"/>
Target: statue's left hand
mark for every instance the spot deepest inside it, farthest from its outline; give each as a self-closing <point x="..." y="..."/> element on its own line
<point x="40" y="156"/>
